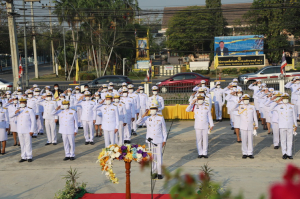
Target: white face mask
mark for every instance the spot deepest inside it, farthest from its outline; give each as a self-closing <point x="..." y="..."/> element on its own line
<point x="141" y="91"/>
<point x="110" y="91"/>
<point x="259" y="85"/>
<point x="297" y="82"/>
<point x="154" y="92"/>
<point x="285" y="101"/>
<point x="231" y="88"/>
<point x="55" y="88"/>
<point x="108" y="102"/>
<point x="130" y="91"/>
<point x="117" y="100"/>
<point x="36" y="94"/>
<point x="48" y="98"/>
<point x="15" y="101"/>
<point x="19" y="93"/>
<point x="86" y="89"/>
<point x="77" y="91"/>
<point x="30" y="96"/>
<point x="65" y="106"/>
<point x="105" y="89"/>
<point x="97" y="98"/>
<point x="125" y="94"/>
<point x="8" y="96"/>
<point x="22" y="105"/>
<point x="218" y="86"/>
<point x="239" y="95"/>
<point x="200" y="101"/>
<point x="246" y="102"/>
<point x="62" y="99"/>
<point x="87" y="98"/>
<point x="203" y="85"/>
<point x="69" y="94"/>
<point x="152" y="112"/>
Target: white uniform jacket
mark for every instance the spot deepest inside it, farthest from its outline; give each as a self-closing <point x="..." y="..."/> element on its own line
<point x="110" y="116"/>
<point x="202" y="115"/>
<point x="68" y="121"/>
<point x="26" y="120"/>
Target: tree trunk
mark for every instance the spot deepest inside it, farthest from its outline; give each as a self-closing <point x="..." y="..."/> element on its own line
<point x="111" y="48"/>
<point x="96" y="67"/>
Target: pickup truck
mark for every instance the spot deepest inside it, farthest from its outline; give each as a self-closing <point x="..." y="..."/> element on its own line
<point x="266" y="74"/>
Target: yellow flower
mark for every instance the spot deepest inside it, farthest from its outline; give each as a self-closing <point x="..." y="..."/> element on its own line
<point x="128" y="156"/>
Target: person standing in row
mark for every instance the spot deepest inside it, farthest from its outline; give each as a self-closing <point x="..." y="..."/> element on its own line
<point x="203" y="123"/>
<point x="40" y="110"/>
<point x="201" y="85"/>
<point x="26" y="125"/>
<point x="70" y="97"/>
<point x="155" y="97"/>
<point x="256" y="87"/>
<point x="98" y="121"/>
<point x="4" y="126"/>
<point x="32" y="103"/>
<point x="136" y="99"/>
<point x="68" y="128"/>
<point x="122" y="118"/>
<point x="219" y="100"/>
<point x="56" y="92"/>
<point x="143" y="103"/>
<point x="12" y="106"/>
<point x="275" y="119"/>
<point x="78" y="95"/>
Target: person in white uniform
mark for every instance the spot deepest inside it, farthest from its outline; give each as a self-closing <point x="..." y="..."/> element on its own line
<point x="78" y="95"/>
<point x="4" y="125"/>
<point x="111" y="84"/>
<point x="203" y="123"/>
<point x="122" y="118"/>
<point x="70" y="97"/>
<point x="124" y="85"/>
<point x="201" y="85"/>
<point x="235" y="100"/>
<point x="49" y="106"/>
<point x="32" y="103"/>
<point x="136" y="99"/>
<point x="219" y="100"/>
<point x="12" y="106"/>
<point x="62" y="97"/>
<point x="287" y="125"/>
<point x="87" y="116"/>
<point x="98" y="121"/>
<point x="143" y="103"/>
<point x="275" y="119"/>
<point x="104" y="91"/>
<point x="248" y="118"/>
<point x="26" y="125"/>
<point x="256" y="87"/>
<point x="110" y="119"/>
<point x="158" y="99"/>
<point x="68" y="128"/>
<point x="40" y="110"/>
<point x="157" y="133"/>
<point x="294" y="85"/>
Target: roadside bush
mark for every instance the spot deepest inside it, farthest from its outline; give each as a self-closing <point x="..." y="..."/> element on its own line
<point x="213" y="72"/>
<point x="62" y="73"/>
<point x="253" y="69"/>
<point x="234" y="71"/>
<point x="87" y="75"/>
<point x="226" y="70"/>
<point x="202" y="72"/>
<point x="138" y="74"/>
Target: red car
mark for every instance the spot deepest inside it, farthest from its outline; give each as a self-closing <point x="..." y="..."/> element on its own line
<point x="182" y="82"/>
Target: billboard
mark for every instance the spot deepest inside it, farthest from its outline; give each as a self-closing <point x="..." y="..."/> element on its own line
<point x="249" y="60"/>
<point x="142" y="49"/>
<point x="143" y="64"/>
<point x="239" y="45"/>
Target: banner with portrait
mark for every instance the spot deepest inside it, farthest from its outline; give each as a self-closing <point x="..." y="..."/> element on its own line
<point x="142" y="49"/>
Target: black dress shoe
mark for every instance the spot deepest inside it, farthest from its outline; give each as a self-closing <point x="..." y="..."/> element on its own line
<point x="47" y="144"/>
<point x="244" y="156"/>
<point x="289" y="157"/>
<point x="15" y="144"/>
<point x="66" y="158"/>
<point x="29" y="160"/>
<point x="276" y="147"/>
<point x="154" y="176"/>
<point x="125" y="141"/>
<point x="86" y="143"/>
<point x="220" y="120"/>
<point x="199" y="156"/>
<point x="160" y="177"/>
<point x="134" y="133"/>
<point x="145" y="126"/>
<point x="80" y="127"/>
<point x="140" y="127"/>
<point x="3" y="153"/>
<point x="284" y="156"/>
<point x="251" y="156"/>
<point x="18" y="144"/>
<point x="232" y="128"/>
<point x="54" y="143"/>
<point x="72" y="158"/>
<point x="91" y="143"/>
<point x="22" y="160"/>
<point x="128" y="142"/>
<point x="97" y="136"/>
<point x="234" y="132"/>
<point x="205" y="156"/>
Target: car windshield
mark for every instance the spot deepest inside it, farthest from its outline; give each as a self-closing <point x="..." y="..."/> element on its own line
<point x="4" y="81"/>
<point x="259" y="71"/>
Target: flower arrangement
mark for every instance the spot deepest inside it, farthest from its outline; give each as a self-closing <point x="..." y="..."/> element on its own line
<point x="127" y="152"/>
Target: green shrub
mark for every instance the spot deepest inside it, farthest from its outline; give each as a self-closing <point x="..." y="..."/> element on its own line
<point x="244" y="70"/>
<point x="202" y="72"/>
<point x="253" y="69"/>
<point x="62" y="73"/>
<point x="226" y="71"/>
<point x="138" y="74"/>
<point x="234" y="71"/>
<point x="87" y="76"/>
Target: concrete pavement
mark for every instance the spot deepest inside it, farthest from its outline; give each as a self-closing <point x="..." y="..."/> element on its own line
<point x="43" y="177"/>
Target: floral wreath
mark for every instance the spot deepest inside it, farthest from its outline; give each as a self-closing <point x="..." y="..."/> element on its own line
<point x="127" y="152"/>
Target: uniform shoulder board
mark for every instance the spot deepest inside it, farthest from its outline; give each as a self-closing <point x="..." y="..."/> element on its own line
<point x="73" y="109"/>
<point x="206" y="104"/>
<point x="160" y="115"/>
<point x="115" y="105"/>
<point x="122" y="102"/>
<point x="4" y="108"/>
<point x="93" y="100"/>
<point x="291" y="104"/>
<point x="29" y="107"/>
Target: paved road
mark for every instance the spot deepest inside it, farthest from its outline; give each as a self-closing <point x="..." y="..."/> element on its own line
<point x="43" y="177"/>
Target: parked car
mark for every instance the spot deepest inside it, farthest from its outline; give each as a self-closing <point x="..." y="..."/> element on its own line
<point x="182" y="82"/>
<point x="5" y="85"/>
<point x="266" y="74"/>
<point x="116" y="79"/>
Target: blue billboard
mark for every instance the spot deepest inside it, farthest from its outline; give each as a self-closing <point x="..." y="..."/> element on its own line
<point x="239" y="45"/>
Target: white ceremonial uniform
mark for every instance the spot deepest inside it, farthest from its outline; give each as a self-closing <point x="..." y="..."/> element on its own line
<point x="98" y="118"/>
<point x="71" y="99"/>
<point x="137" y="109"/>
<point x="143" y="104"/>
<point x="110" y="122"/>
<point x="262" y="97"/>
<point x="50" y="124"/>
<point x="203" y="121"/>
<point x="79" y="109"/>
<point x="286" y="116"/>
<point x="68" y="125"/>
<point x="196" y="88"/>
<point x="87" y="117"/>
<point x="32" y="103"/>
<point x="4" y="123"/>
<point x="122" y="117"/>
<point x="26" y="123"/>
<point x="256" y="90"/>
<point x="40" y="120"/>
<point x="156" y="129"/>
<point x="11" y="107"/>
<point x="161" y="103"/>
<point x="294" y="88"/>
<point x="219" y="100"/>
<point x="236" y="119"/>
<point x="103" y="94"/>
<point x="275" y="123"/>
<point x="130" y="113"/>
<point x="248" y="116"/>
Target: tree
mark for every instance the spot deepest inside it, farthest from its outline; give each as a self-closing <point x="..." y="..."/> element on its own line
<point x="189" y="30"/>
<point x="267" y="17"/>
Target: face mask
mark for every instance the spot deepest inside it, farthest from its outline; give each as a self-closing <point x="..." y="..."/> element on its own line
<point x="107" y="102"/>
<point x="87" y="98"/>
<point x="15" y="101"/>
<point x="203" y="85"/>
<point x="62" y="99"/>
<point x="297" y="82"/>
<point x="19" y="93"/>
<point x="130" y="91"/>
<point x="141" y="91"/>
<point x="154" y="92"/>
<point x="125" y="94"/>
<point x="200" y="101"/>
<point x="285" y="101"/>
<point x="48" y="98"/>
<point x="152" y="112"/>
<point x="246" y="102"/>
<point x="97" y="98"/>
<point x="36" y="94"/>
<point x="218" y="86"/>
<point x="55" y="88"/>
<point x="8" y="96"/>
<point x="239" y="95"/>
<point x="22" y="105"/>
<point x="259" y="85"/>
<point x="231" y="88"/>
<point x="30" y="96"/>
<point x="69" y="94"/>
<point x="277" y="98"/>
<point x="86" y="89"/>
<point x="105" y="89"/>
<point x="117" y="100"/>
<point x="65" y="106"/>
<point x="110" y="91"/>
<point x="77" y="92"/>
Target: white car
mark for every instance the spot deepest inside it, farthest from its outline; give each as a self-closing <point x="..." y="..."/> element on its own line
<point x="5" y="85"/>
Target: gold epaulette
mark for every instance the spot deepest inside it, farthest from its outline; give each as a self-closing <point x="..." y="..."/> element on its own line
<point x="115" y="105"/>
<point x="122" y="102"/>
<point x="73" y="109"/>
<point x="92" y="100"/>
<point x="206" y="104"/>
<point x="4" y="108"/>
<point x="291" y="104"/>
<point x="29" y="107"/>
<point x="160" y="115"/>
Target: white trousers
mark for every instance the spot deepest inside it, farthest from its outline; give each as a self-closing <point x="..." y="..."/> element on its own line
<point x="69" y="144"/>
<point x="286" y="138"/>
<point x="218" y="110"/>
<point x="276" y="138"/>
<point x="247" y="142"/>
<point x="79" y="112"/>
<point x="157" y="158"/>
<point x="133" y="124"/>
<point x="40" y="124"/>
<point x="142" y="112"/>
<point x="231" y="119"/>
<point x="202" y="141"/>
<point x="26" y="145"/>
<point x="50" y="126"/>
<point x="88" y="126"/>
<point x="109" y="137"/>
<point x="127" y="131"/>
<point x="119" y="136"/>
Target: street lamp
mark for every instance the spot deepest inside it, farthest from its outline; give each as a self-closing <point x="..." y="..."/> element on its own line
<point x="124" y="61"/>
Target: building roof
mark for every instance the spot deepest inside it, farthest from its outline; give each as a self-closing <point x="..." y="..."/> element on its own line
<point x="231" y="12"/>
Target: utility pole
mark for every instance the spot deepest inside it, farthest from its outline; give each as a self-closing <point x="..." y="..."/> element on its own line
<point x="99" y="59"/>
<point x="25" y="47"/>
<point x="66" y="74"/>
<point x="13" y="40"/>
